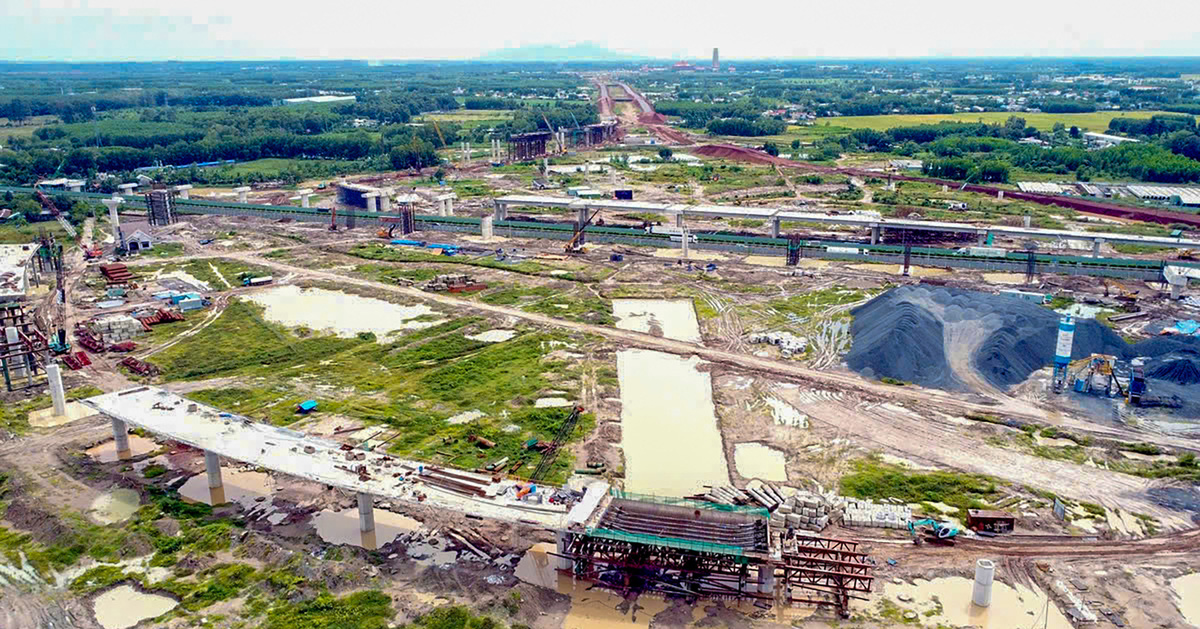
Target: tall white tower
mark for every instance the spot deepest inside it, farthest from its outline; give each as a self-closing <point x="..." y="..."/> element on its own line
<point x="716" y="61"/>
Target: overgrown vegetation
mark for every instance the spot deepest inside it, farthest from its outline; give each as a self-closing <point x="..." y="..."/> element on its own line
<point x="872" y="478"/>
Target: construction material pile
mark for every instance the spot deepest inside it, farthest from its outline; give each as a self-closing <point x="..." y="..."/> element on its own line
<point x="1179" y="371"/>
<point x="116" y="273"/>
<point x="117" y="328"/>
<point x="954" y="339"/>
<point x="807" y="511"/>
<point x="868" y="513"/>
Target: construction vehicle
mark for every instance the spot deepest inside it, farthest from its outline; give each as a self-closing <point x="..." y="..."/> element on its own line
<point x="932" y="532"/>
<point x="453" y="284"/>
<point x="575" y="244"/>
<point x="249" y="279"/>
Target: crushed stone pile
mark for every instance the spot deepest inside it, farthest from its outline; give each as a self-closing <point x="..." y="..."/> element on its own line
<point x="948" y="338"/>
<point x="1179" y="371"/>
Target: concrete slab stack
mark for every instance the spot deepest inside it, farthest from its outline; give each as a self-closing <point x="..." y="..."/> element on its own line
<point x="807" y="511"/>
<point x="116" y="328"/>
<point x="869" y="514"/>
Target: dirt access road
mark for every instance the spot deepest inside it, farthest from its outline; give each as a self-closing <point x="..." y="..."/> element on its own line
<point x="923" y="398"/>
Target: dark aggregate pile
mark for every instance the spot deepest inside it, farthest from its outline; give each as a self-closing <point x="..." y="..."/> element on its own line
<point x="895" y="337"/>
<point x="1179" y="371"/>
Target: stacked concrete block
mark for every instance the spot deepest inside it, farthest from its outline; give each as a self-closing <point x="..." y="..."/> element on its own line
<point x="806" y="511"/>
<point x="117" y="328"/>
<point x="869" y="514"/>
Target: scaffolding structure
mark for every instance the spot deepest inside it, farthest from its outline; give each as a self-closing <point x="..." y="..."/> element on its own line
<point x="160" y="206"/>
<point x="23" y="347"/>
<point x="675" y="548"/>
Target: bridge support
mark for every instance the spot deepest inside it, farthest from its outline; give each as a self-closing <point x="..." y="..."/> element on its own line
<point x="876" y="232"/>
<point x="775" y="227"/>
<point x="564" y="562"/>
<point x="216" y="488"/>
<point x="1096" y="247"/>
<point x="183" y="190"/>
<point x="982" y="238"/>
<point x="121" y="439"/>
<point x="385" y="201"/>
<point x="242" y="193"/>
<point x="304" y="196"/>
<point x="679" y="220"/>
<point x="766" y="579"/>
<point x="366" y="520"/>
<point x="500" y="212"/>
<point x="54" y="375"/>
<point x="372" y="199"/>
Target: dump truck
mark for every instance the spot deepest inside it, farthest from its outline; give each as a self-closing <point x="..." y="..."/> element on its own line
<point x="262" y="280"/>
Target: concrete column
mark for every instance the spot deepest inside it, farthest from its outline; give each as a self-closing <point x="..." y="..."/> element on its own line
<point x="985" y="572"/>
<point x="775" y="228"/>
<point x="242" y="193"/>
<point x="945" y="188"/>
<point x="183" y="190"/>
<point x="372" y="200"/>
<point x="216" y="488"/>
<point x="766" y="579"/>
<point x="127" y="188"/>
<point x="54" y="375"/>
<point x="562" y="563"/>
<point x="366" y="521"/>
<point x="385" y="202"/>
<point x="581" y="218"/>
<point x="500" y="211"/>
<point x="679" y="220"/>
<point x="1096" y="247"/>
<point x="1000" y="194"/>
<point x="121" y="438"/>
<point x="17" y="367"/>
<point x="112" y="205"/>
<point x="875" y="233"/>
<point x="684" y="240"/>
<point x="982" y="237"/>
<point x="304" y="195"/>
<point x="487" y="227"/>
<point x="1027" y="221"/>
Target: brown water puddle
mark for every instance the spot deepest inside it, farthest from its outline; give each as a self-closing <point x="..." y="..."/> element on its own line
<point x="123" y="607"/>
<point x="341" y="527"/>
<point x="242" y="487"/>
<point x="591" y="608"/>
<point x="1011" y="607"/>
<point x="107" y="451"/>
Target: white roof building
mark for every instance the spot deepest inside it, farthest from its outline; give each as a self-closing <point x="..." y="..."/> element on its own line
<point x="328" y="98"/>
<point x="17" y="271"/>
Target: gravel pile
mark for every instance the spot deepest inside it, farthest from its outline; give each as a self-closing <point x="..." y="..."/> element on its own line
<point x="903" y="334"/>
<point x="1179" y="371"/>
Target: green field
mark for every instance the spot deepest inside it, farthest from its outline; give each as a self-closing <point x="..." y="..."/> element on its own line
<point x="25" y="130"/>
<point x="273" y="166"/>
<point x="1095" y="121"/>
<point x="466" y="115"/>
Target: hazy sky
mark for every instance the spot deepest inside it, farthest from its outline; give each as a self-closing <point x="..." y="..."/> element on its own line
<point x="142" y="30"/>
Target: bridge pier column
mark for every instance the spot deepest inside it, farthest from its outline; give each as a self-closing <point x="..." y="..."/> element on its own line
<point x="1096" y="247"/>
<point x="216" y="488"/>
<point x="875" y="234"/>
<point x="679" y="220"/>
<point x="501" y="211"/>
<point x="242" y="193"/>
<point x="982" y="237"/>
<point x="562" y="541"/>
<point x="581" y="218"/>
<point x="121" y="438"/>
<point x="366" y="520"/>
<point x="775" y="227"/>
<point x="766" y="579"/>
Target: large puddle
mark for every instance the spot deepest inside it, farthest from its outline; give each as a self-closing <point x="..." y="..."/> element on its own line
<point x="246" y="488"/>
<point x="665" y="399"/>
<point x="1187" y="594"/>
<point x="1010" y="608"/>
<point x="672" y="318"/>
<point x="107" y="451"/>
<point x="591" y="608"/>
<point x="341" y="527"/>
<point x="115" y="506"/>
<point x="123" y="607"/>
<point x="344" y="314"/>
<point x="755" y="460"/>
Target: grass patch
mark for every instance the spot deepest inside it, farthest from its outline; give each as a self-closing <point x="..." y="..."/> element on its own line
<point x="163" y="250"/>
<point x="874" y="479"/>
<point x="15" y="417"/>
<point x="370" y="609"/>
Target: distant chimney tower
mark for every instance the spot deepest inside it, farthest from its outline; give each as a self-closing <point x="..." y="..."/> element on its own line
<point x="716" y="61"/>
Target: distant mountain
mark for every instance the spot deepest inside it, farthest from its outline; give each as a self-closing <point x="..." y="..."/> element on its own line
<point x="586" y="51"/>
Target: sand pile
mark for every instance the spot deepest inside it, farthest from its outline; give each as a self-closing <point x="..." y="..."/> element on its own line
<point x="947" y="338"/>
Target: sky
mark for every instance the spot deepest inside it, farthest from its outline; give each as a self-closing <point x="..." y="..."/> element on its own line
<point x="152" y="30"/>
